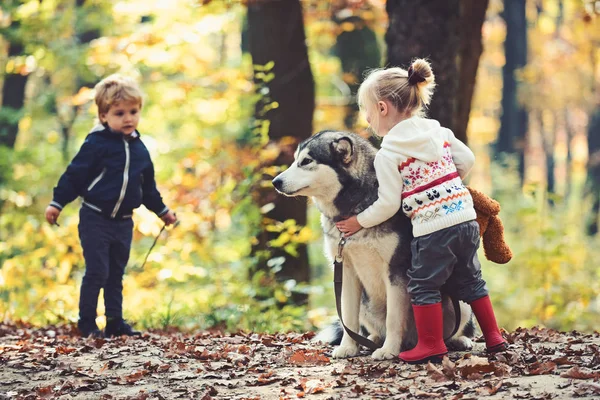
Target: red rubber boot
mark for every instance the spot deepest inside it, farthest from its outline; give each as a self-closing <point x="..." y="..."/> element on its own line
<point x="482" y="308"/>
<point x="430" y="329"/>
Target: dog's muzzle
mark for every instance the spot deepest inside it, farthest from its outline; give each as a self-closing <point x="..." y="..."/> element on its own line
<point x="278" y="183"/>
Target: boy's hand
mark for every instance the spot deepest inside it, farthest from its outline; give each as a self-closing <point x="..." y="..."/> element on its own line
<point x="52" y="214"/>
<point x="169" y="218"/>
<point x="349" y="226"/>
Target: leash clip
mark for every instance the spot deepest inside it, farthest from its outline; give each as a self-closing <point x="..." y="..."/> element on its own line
<point x="341" y="244"/>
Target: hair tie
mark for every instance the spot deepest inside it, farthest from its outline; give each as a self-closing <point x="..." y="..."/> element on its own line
<point x="414" y="77"/>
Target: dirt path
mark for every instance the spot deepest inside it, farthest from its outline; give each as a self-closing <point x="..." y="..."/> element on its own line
<point x="52" y="363"/>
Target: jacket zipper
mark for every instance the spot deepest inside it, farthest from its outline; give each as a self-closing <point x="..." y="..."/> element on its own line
<point x="125" y="180"/>
<point x="96" y="180"/>
<point x="142" y="186"/>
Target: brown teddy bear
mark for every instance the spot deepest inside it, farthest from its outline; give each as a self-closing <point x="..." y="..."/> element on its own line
<point x="490" y="227"/>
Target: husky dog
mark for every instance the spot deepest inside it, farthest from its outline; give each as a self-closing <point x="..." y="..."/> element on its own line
<point x="336" y="170"/>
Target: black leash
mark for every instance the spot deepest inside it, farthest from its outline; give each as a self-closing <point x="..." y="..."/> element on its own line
<point x="338" y="274"/>
<point x="456" y="305"/>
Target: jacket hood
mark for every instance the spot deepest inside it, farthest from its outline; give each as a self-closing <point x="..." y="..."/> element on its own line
<point x="98" y="128"/>
<point x="417" y="137"/>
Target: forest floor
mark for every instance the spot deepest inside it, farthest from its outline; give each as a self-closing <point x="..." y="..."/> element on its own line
<point x="53" y="363"/>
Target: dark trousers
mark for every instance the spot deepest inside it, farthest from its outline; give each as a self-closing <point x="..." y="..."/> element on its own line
<point x="106" y="244"/>
<point x="446" y="258"/>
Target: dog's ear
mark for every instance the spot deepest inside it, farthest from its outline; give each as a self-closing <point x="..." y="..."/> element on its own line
<point x="343" y="148"/>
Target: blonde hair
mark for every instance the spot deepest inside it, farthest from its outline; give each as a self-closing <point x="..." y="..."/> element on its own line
<point x="116" y="88"/>
<point x="408" y="90"/>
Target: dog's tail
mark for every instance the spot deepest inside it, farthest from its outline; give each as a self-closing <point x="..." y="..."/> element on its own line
<point x="331" y="334"/>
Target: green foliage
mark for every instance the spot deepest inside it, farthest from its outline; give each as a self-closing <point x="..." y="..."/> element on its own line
<point x="10" y="116"/>
<point x="5" y="164"/>
<point x="552" y="278"/>
<point x="210" y="156"/>
<point x="197" y="106"/>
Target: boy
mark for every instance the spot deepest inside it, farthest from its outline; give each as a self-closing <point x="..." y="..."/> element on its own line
<point x="114" y="174"/>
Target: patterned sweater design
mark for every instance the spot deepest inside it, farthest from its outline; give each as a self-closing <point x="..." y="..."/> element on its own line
<point x="420" y="167"/>
<point x="433" y="195"/>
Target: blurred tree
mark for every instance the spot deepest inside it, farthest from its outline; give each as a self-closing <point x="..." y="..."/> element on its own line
<point x="15" y="79"/>
<point x="86" y="22"/>
<point x="68" y="29"/>
<point x="445" y="29"/>
<point x="513" y="123"/>
<point x="284" y="82"/>
<point x="593" y="176"/>
<point x="472" y="17"/>
<point x="15" y="76"/>
<point x="436" y="37"/>
<point x="356" y="46"/>
<point x="548" y="126"/>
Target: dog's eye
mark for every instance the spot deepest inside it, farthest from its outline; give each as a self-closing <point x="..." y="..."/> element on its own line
<point x="305" y="162"/>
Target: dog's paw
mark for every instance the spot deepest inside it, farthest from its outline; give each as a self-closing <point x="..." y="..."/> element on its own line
<point x="461" y="343"/>
<point x="384" y="354"/>
<point x="345" y="351"/>
<point x="375" y="339"/>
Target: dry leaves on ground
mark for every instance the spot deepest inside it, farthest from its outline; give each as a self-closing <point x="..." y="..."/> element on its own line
<point x="53" y="363"/>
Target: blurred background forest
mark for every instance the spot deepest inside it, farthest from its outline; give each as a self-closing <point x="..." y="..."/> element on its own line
<point x="232" y="86"/>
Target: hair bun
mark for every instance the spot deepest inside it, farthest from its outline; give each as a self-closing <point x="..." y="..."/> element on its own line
<point x="414" y="77"/>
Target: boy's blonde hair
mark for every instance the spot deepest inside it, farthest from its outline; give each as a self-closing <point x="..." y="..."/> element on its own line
<point x="408" y="90"/>
<point x="116" y="88"/>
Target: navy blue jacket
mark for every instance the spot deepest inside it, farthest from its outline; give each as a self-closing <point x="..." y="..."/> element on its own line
<point x="113" y="173"/>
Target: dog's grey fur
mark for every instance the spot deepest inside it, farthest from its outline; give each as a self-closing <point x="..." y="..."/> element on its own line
<point x="336" y="170"/>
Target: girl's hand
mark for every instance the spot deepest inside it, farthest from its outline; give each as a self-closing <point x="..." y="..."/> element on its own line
<point x="169" y="218"/>
<point x="349" y="226"/>
<point x="52" y="214"/>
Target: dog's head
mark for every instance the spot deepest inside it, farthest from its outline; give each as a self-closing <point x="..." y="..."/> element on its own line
<point x="327" y="163"/>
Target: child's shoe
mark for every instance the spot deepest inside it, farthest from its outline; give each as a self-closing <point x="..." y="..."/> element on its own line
<point x="430" y="329"/>
<point x="482" y="308"/>
<point x="118" y="327"/>
<point x="89" y="329"/>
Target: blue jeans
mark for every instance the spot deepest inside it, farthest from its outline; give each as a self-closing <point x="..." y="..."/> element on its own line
<point x="106" y="244"/>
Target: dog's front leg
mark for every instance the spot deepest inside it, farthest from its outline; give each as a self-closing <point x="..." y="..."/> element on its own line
<point x="351" y="292"/>
<point x="395" y="322"/>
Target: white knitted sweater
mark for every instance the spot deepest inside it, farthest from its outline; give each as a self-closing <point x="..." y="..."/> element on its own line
<point x="420" y="167"/>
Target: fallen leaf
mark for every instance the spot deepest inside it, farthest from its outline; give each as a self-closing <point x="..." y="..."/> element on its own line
<point x="585" y="388"/>
<point x="304" y="357"/>
<point x="449" y="368"/>
<point x="473" y="367"/>
<point x="580" y="373"/>
<point x="435" y="373"/>
<point x="489" y="388"/>
<point x="313" y="386"/>
<point x="564" y="360"/>
<point x="541" y="368"/>
<point x="422" y="393"/>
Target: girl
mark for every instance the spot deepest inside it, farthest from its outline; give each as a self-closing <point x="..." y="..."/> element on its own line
<point x="420" y="167"/>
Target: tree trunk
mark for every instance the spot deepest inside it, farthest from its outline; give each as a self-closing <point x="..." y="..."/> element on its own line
<point x="448" y="33"/>
<point x="276" y="34"/>
<point x="513" y="123"/>
<point x="548" y="133"/>
<point x="570" y="133"/>
<point x="13" y="93"/>
<point x="593" y="171"/>
<point x="471" y="46"/>
<point x="84" y="34"/>
<point x="357" y="48"/>
<point x="428" y="29"/>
